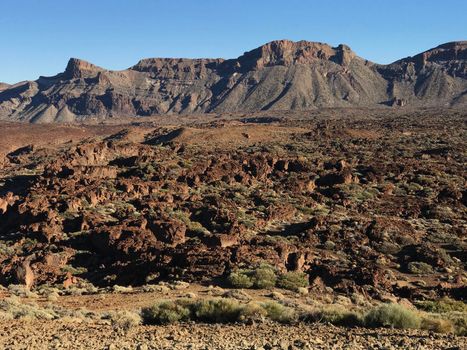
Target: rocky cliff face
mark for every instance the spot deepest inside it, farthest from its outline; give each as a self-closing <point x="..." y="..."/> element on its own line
<point x="276" y="76"/>
<point x="437" y="76"/>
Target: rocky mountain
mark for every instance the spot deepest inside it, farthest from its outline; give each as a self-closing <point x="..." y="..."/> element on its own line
<point x="280" y="75"/>
<point x="3" y="86"/>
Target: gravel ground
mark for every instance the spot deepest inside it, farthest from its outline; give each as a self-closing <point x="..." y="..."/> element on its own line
<point x="72" y="335"/>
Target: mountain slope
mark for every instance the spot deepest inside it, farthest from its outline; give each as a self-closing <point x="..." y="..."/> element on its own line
<point x="4" y="86"/>
<point x="276" y="76"/>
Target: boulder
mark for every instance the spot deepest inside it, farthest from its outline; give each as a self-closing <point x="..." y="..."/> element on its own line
<point x="171" y="232"/>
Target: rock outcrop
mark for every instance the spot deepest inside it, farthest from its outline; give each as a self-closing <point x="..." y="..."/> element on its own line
<point x="359" y="204"/>
<point x="280" y="75"/>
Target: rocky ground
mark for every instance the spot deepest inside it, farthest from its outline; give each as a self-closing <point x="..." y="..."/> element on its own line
<point x="63" y="335"/>
<point x="374" y="205"/>
<point x="83" y="328"/>
<point x="369" y="208"/>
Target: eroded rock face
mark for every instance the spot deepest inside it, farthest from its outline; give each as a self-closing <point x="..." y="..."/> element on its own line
<point x="286" y="53"/>
<point x="77" y="69"/>
<point x="356" y="207"/>
<point x="7" y="201"/>
<point x="280" y="75"/>
<point x="23" y="273"/>
<point x="169" y="231"/>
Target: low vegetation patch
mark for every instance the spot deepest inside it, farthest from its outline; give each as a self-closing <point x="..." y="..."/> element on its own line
<point x="123" y="319"/>
<point x="442" y="305"/>
<point x="21" y="291"/>
<point x="437" y="324"/>
<point x="293" y="280"/>
<point x="419" y="268"/>
<point x="459" y="320"/>
<point x="216" y="310"/>
<point x="393" y="316"/>
<point x="445" y="314"/>
<point x="265" y="276"/>
<point x="226" y="310"/>
<point x="334" y="314"/>
<point x="279" y="313"/>
<point x="166" y="312"/>
<point x="262" y="277"/>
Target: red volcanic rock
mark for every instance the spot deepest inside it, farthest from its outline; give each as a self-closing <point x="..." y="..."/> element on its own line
<point x="70" y="280"/>
<point x="7" y="201"/>
<point x="127" y="211"/>
<point x="221" y="240"/>
<point x="94" y="172"/>
<point x="123" y="241"/>
<point x="23" y="272"/>
<point x="77" y="68"/>
<point x="449" y="52"/>
<point x="286" y="52"/>
<point x="171" y="232"/>
<point x="337" y="178"/>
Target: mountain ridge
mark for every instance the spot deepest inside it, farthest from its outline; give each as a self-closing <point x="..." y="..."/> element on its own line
<point x="279" y="75"/>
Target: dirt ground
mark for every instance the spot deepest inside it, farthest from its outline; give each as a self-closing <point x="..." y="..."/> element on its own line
<point x="91" y="333"/>
<point x="72" y="335"/>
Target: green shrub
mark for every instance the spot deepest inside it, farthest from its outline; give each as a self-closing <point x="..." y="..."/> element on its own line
<point x="329" y="245"/>
<point x="20" y="290"/>
<point x="165" y="312"/>
<point x="15" y="308"/>
<point x="265" y="276"/>
<point x="442" y="305"/>
<point x="437" y="324"/>
<point x="336" y="315"/>
<point x="252" y="311"/>
<point x="262" y="277"/>
<point x="217" y="310"/>
<point x="452" y="312"/>
<point x="240" y="279"/>
<point x="220" y="310"/>
<point x="392" y="315"/>
<point x="123" y="319"/>
<point x="459" y="320"/>
<point x="279" y="313"/>
<point x="419" y="268"/>
<point x="293" y="280"/>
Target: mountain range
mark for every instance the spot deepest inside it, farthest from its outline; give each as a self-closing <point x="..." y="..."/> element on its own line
<point x="280" y="75"/>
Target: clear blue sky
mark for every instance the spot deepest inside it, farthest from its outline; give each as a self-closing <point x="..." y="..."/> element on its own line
<point x="39" y="36"/>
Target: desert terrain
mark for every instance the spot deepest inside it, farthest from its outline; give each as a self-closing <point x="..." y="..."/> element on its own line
<point x="331" y="228"/>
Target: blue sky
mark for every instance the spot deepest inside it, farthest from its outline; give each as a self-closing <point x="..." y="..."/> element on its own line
<point x="38" y="37"/>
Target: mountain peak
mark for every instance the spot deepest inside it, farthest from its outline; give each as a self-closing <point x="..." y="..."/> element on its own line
<point x="452" y="51"/>
<point x="279" y="75"/>
<point x="287" y="52"/>
<point x="77" y="68"/>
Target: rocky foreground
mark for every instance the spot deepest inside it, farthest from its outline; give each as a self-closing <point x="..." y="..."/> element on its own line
<point x="63" y="335"/>
<point x="324" y="209"/>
